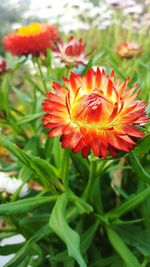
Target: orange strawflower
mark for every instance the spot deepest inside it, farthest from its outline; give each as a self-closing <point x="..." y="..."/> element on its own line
<point x="33" y="39"/>
<point x="128" y="50"/>
<point x="95" y="112"/>
<point x="71" y="53"/>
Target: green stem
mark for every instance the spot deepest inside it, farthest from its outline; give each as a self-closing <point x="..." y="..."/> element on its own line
<point x="92" y="176"/>
<point x="48" y="62"/>
<point x="41" y="74"/>
<point x="34" y="100"/>
<point x="98" y="197"/>
<point x="64" y="166"/>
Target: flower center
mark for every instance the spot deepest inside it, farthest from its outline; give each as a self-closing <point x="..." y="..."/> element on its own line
<point x="92" y="110"/>
<point x="32" y="29"/>
<point x="93" y="101"/>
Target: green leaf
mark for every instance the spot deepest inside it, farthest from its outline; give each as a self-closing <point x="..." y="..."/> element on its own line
<point x="88" y="236"/>
<point x="61" y="228"/>
<point x="64" y="165"/>
<point x="97" y="57"/>
<point x="81" y="165"/>
<point x="18" y="62"/>
<point x="105" y="262"/>
<point x="10" y="249"/>
<point x="36" y="261"/>
<point x="141" y="173"/>
<point x="4" y="92"/>
<point x="143" y="146"/>
<point x="47" y="172"/>
<point x="88" y="66"/>
<point x="118" y="263"/>
<point x="86" y="241"/>
<point x="48" y="61"/>
<point x="24" y="205"/>
<point x="25" y="173"/>
<point x="57" y="152"/>
<point x="20" y="255"/>
<point x="137" y="237"/>
<point x="80" y="203"/>
<point x="128" y="257"/>
<point x="48" y="150"/>
<point x="34" y="85"/>
<point x="128" y="205"/>
<point x="30" y="117"/>
<point x="43" y="231"/>
<point x="21" y="95"/>
<point x="6" y="235"/>
<point x="44" y="170"/>
<point x="30" y="248"/>
<point x="25" y="262"/>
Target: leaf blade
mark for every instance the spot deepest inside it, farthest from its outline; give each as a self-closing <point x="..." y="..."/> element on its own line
<point x="60" y="226"/>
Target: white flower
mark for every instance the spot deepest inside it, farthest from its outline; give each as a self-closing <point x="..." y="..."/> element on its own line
<point x="74" y="26"/>
<point x="147" y="2"/>
<point x="145" y="20"/>
<point x="10" y="185"/>
<point x="33" y="68"/>
<point x="135" y="9"/>
<point x="15" y="26"/>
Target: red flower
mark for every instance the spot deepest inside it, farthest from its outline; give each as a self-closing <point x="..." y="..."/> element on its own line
<point x="94" y="112"/>
<point x="71" y="53"/>
<point x="128" y="50"/>
<point x="33" y="39"/>
<point x="3" y="66"/>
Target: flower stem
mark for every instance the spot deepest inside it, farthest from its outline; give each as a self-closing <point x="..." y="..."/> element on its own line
<point x="92" y="176"/>
<point x="92" y="190"/>
<point x="64" y="166"/>
<point x="41" y="74"/>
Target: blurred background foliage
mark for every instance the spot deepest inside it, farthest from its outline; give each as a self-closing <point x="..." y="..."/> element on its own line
<point x="102" y="25"/>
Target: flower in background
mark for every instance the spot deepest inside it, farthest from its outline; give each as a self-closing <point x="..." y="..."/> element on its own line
<point x="128" y="50"/>
<point x="33" y="39"/>
<point x="145" y="20"/>
<point x="94" y="112"/>
<point x="71" y="53"/>
<point x="67" y="14"/>
<point x="3" y="65"/>
<point x="10" y="184"/>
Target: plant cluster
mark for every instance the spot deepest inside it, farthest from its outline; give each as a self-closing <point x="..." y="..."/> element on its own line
<point x="74" y="146"/>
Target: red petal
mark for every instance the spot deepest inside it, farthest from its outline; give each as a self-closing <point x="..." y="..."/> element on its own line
<point x="132" y="131"/>
<point x="95" y="147"/>
<point x="117" y="143"/>
<point x="98" y="78"/>
<point x="55" y="132"/>
<point x="85" y="151"/>
<point x="127" y="139"/>
<point x="79" y="146"/>
<point x="103" y="151"/>
<point x="112" y="151"/>
<point x="109" y="87"/>
<point x="55" y="98"/>
<point x="59" y="89"/>
<point x="68" y="129"/>
<point x="123" y="86"/>
<point x="53" y="124"/>
<point x="89" y="80"/>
